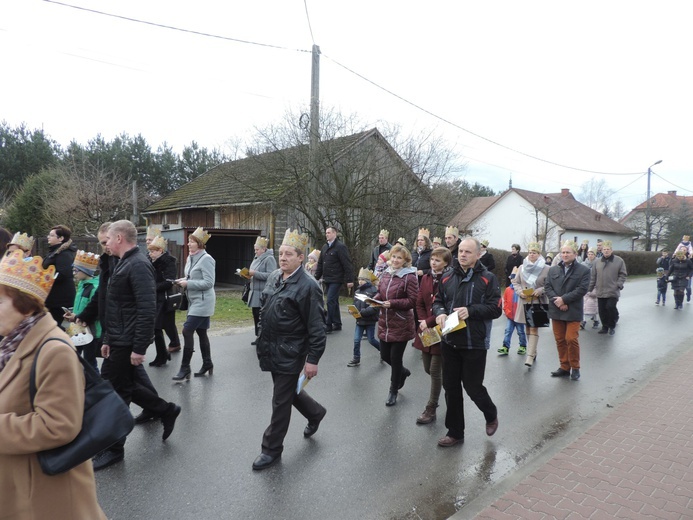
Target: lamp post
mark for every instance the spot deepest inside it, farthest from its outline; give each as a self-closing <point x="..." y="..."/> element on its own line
<point x="648" y="224"/>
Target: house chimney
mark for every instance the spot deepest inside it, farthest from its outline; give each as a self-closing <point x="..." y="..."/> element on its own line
<point x="672" y="193"/>
<point x="565" y="192"/>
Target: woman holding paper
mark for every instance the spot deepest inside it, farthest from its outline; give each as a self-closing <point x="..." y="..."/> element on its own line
<point x="398" y="290"/>
<point x="529" y="286"/>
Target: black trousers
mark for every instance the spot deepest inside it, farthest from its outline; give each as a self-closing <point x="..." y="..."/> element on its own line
<point x="169" y="326"/>
<point x="392" y="352"/>
<point x="464" y="368"/>
<point x="256" y="319"/>
<point x="283" y="398"/>
<point x="132" y="384"/>
<point x="608" y="312"/>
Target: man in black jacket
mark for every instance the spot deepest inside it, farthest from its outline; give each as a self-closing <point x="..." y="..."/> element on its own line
<point x="292" y="339"/>
<point x="383" y="245"/>
<point x="334" y="269"/>
<point x="61" y="254"/>
<point x="514" y="260"/>
<point x="129" y="315"/>
<point x="471" y="292"/>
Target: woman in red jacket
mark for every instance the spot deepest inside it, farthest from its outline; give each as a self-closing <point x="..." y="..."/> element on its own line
<point x="398" y="290"/>
<point x="440" y="260"/>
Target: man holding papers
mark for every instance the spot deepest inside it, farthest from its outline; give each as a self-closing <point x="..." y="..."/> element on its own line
<point x="468" y="293"/>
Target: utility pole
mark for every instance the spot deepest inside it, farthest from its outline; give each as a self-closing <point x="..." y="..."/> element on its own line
<point x="314" y="110"/>
<point x="648" y="223"/>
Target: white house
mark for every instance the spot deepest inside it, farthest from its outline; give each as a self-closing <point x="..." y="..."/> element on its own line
<point x="522" y="216"/>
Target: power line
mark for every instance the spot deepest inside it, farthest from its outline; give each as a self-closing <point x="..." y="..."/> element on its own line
<point x="310" y="27"/>
<point x="675" y="185"/>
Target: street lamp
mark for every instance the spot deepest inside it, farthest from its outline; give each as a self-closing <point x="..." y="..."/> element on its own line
<point x="648" y="224"/>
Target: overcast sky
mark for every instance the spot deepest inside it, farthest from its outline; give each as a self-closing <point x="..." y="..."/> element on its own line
<point x="540" y="91"/>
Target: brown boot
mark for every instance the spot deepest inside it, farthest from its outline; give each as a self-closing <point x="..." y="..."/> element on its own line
<point x="428" y="415"/>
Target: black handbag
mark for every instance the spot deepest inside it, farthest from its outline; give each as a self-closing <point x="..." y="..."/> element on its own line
<point x="173" y="302"/>
<point x="107" y="419"/>
<point x="246" y="293"/>
<point x="183" y="302"/>
<point x="537" y="315"/>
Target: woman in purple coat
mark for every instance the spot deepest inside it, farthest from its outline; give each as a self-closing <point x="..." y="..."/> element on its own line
<point x="398" y="289"/>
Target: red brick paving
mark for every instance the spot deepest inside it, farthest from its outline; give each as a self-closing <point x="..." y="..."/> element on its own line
<point x="636" y="463"/>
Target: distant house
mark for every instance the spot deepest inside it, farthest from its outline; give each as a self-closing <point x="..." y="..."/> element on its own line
<point x="662" y="207"/>
<point x="523" y="216"/>
<point x="240" y="200"/>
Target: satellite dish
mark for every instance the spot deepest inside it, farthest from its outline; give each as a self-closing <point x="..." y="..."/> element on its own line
<point x="304" y="121"/>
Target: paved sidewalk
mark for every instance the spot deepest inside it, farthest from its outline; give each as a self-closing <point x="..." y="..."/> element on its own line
<point x="635" y="463"/>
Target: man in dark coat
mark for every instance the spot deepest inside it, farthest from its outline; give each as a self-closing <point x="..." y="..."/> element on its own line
<point x="514" y="260"/>
<point x="334" y="269"/>
<point x="565" y="286"/>
<point x="452" y="241"/>
<point x="130" y="311"/>
<point x="471" y="292"/>
<point x="383" y="245"/>
<point x="61" y="254"/>
<point x="292" y="339"/>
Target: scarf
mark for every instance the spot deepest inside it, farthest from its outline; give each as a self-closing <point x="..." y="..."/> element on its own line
<point x="9" y="344"/>
<point x="531" y="271"/>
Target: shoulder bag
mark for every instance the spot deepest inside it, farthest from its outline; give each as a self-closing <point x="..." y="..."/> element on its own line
<point x="173" y="301"/>
<point x="537" y="315"/>
<point x="246" y="293"/>
<point x="107" y="419"/>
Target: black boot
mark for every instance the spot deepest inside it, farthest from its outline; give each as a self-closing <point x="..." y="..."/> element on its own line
<point x="184" y="372"/>
<point x="207" y="365"/>
<point x="391" y="397"/>
<point x="405" y="374"/>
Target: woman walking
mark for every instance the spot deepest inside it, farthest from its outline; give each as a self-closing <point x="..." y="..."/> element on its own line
<point x="529" y="286"/>
<point x="199" y="289"/>
<point x="260" y="268"/>
<point x="398" y="290"/>
<point x="165" y="271"/>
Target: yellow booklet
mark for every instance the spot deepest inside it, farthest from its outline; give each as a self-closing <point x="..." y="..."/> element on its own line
<point x="430" y="336"/>
<point x="453" y="323"/>
<point x="528" y="292"/>
<point x="243" y="273"/>
<point x="354" y="311"/>
<point x="369" y="301"/>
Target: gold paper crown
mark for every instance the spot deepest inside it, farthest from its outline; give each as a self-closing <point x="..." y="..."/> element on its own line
<point x="402" y="241"/>
<point x="261" y="242"/>
<point x="27" y="275"/>
<point x="607" y="243"/>
<point x="452" y="230"/>
<point x="159" y="242"/>
<point x="88" y="261"/>
<point x="534" y="246"/>
<point x="384" y="232"/>
<point x="585" y="241"/>
<point x="484" y="243"/>
<point x="571" y="244"/>
<point x="367" y="274"/>
<point x="201" y="235"/>
<point x="153" y="232"/>
<point x="437" y="240"/>
<point x="295" y="239"/>
<point x="424" y="232"/>
<point x="23" y="241"/>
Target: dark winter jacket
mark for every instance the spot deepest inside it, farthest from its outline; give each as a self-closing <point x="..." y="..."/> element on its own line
<point x="334" y="264"/>
<point x="96" y="308"/>
<point x="400" y="288"/>
<point x="478" y="290"/>
<point x="662" y="283"/>
<point x="680" y="270"/>
<point x="511" y="262"/>
<point x="377" y="251"/>
<point x="488" y="261"/>
<point x="369" y="314"/>
<point x="292" y="323"/>
<point x="131" y="303"/>
<point x="165" y="268"/>
<point x="428" y="288"/>
<point x="62" y="256"/>
<point x="423" y="262"/>
<point x="570" y="286"/>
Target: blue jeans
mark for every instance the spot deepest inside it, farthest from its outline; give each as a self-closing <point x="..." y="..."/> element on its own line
<point x="509" y="328"/>
<point x="334" y="318"/>
<point x="358" y="334"/>
<point x="662" y="295"/>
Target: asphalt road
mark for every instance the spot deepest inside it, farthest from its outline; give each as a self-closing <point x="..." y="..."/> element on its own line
<point x="368" y="461"/>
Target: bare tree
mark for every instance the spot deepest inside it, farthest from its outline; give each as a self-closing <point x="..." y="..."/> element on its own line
<point x="596" y="194"/>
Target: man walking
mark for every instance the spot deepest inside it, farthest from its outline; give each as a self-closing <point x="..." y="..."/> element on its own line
<point x="334" y="269"/>
<point x="292" y="339"/>
<point x="608" y="276"/>
<point x="383" y="245"/>
<point x="129" y="315"/>
<point x="565" y="286"/>
<point x="471" y="292"/>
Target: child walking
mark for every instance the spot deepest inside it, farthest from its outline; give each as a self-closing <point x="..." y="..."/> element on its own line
<point x="84" y="269"/>
<point x="369" y="315"/>
<point x="510" y="300"/>
<point x="661" y="287"/>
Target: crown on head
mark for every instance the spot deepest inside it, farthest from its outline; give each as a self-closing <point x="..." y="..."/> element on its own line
<point x="385" y="233"/>
<point x="571" y="244"/>
<point x="23" y="241"/>
<point x="607" y="243"/>
<point x="367" y="274"/>
<point x="424" y="232"/>
<point x="295" y="239"/>
<point x="201" y="235"/>
<point x="534" y="246"/>
<point x="585" y="241"/>
<point x="261" y="242"/>
<point x="27" y="274"/>
<point x="153" y="232"/>
<point x="159" y="243"/>
<point x="452" y="230"/>
<point x="402" y="241"/>
<point x="437" y="240"/>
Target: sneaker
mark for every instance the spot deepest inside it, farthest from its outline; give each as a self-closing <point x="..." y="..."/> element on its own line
<point x="582" y="325"/>
<point x="503" y="351"/>
<point x="595" y="325"/>
<point x="657" y="302"/>
<point x="522" y="350"/>
<point x="354" y="363"/>
<point x="664" y="303"/>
